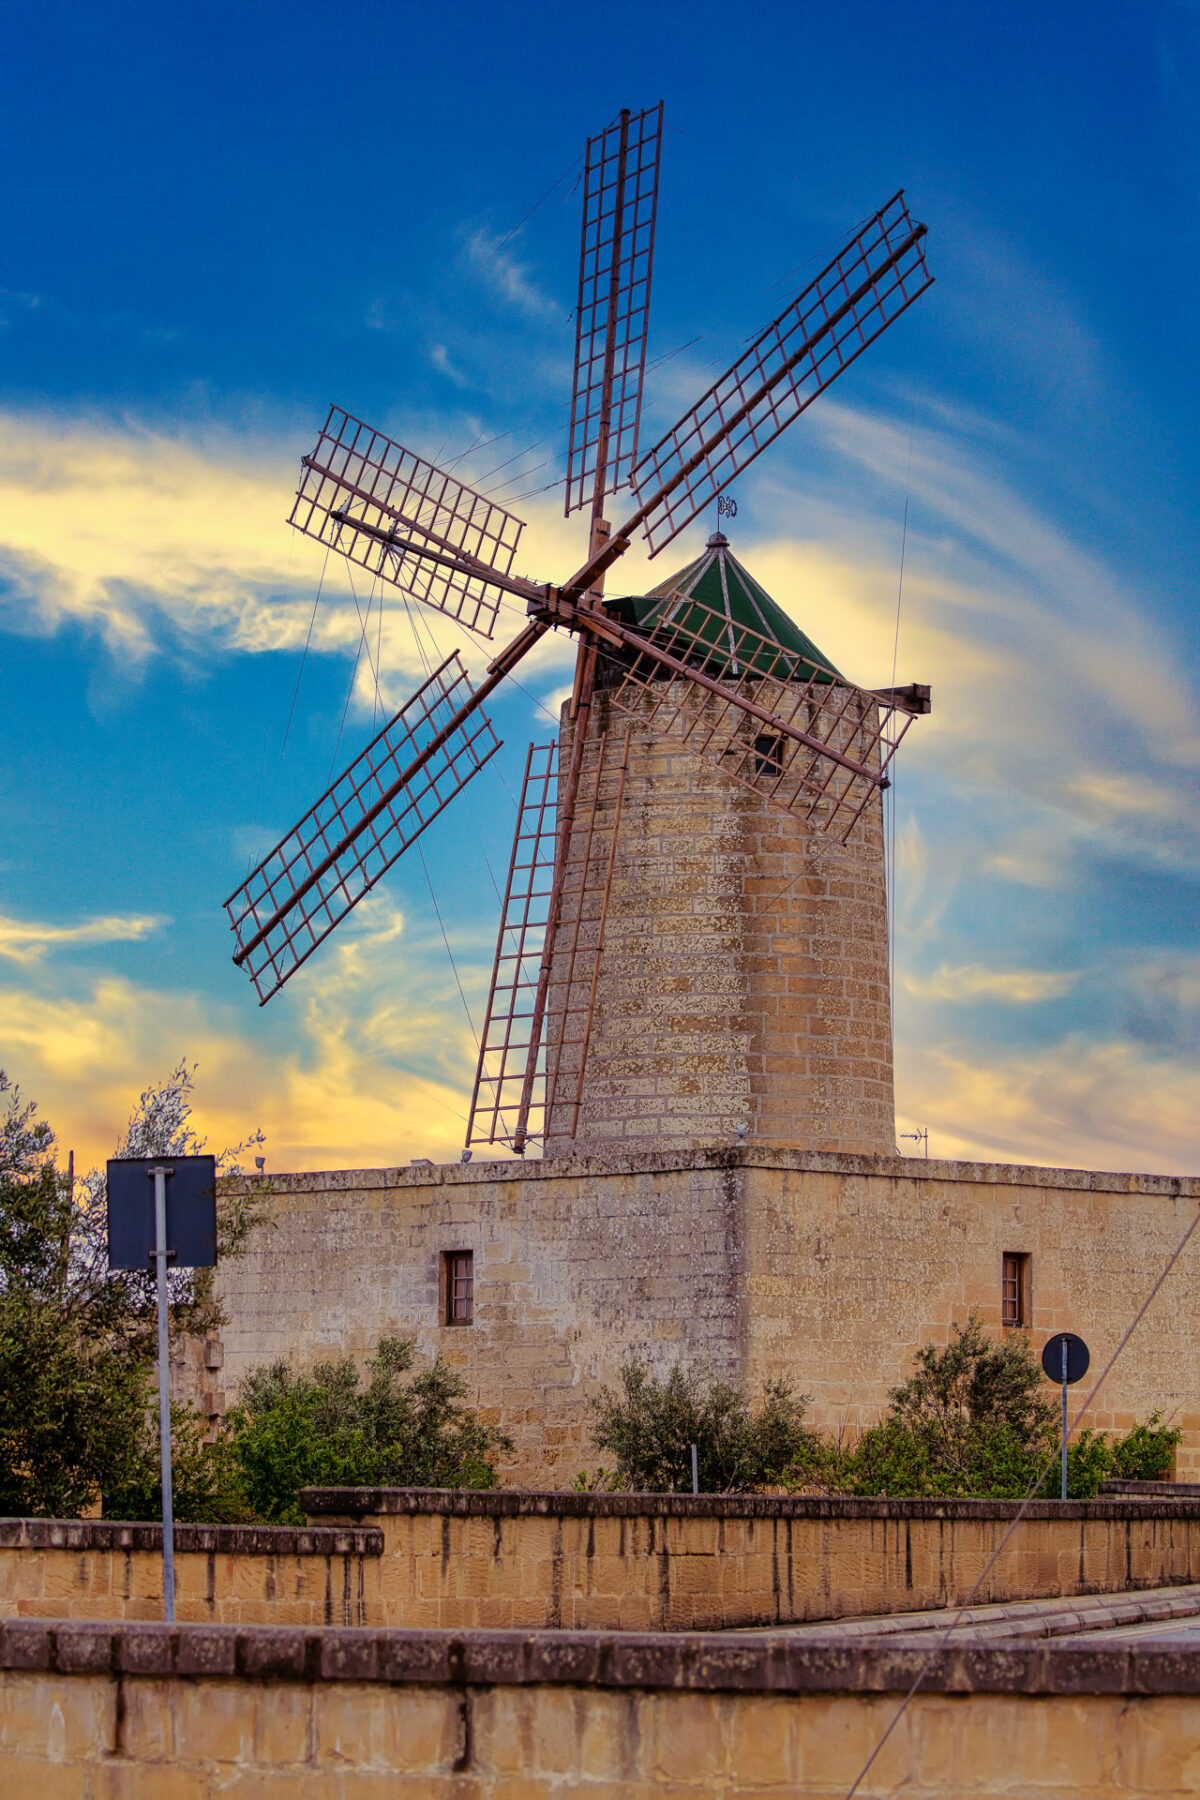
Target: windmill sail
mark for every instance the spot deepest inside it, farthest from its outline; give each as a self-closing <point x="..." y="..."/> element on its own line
<point x="355" y="832"/>
<point x="620" y="200"/>
<point x="872" y="281"/>
<point x="367" y="496"/>
<point x="508" y="1050"/>
<point x="533" y="1052"/>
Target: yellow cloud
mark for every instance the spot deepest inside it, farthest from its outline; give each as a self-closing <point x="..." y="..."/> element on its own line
<point x="376" y="1066"/>
<point x="1016" y="987"/>
<point x="23" y="941"/>
<point x="1077" y="1104"/>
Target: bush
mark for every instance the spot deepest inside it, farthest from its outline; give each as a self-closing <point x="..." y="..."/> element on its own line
<point x="326" y="1430"/>
<point x="1147" y="1453"/>
<point x="972" y="1421"/>
<point x="651" y="1425"/>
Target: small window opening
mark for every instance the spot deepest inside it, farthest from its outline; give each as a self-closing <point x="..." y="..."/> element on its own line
<point x="768" y="755"/>
<point x="1014" y="1290"/>
<point x="459" y="1287"/>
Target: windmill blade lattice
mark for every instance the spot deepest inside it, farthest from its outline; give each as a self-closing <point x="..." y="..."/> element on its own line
<point x="533" y="1052"/>
<point x="367" y="496"/>
<point x="620" y="201"/>
<point x="801" y="736"/>
<point x="355" y="832"/>
<point x="872" y="281"/>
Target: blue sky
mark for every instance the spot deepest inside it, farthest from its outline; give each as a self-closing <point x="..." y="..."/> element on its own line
<point x="219" y="219"/>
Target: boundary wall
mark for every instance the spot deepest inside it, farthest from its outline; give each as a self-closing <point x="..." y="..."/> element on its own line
<point x="453" y="1559"/>
<point x="224" y="1574"/>
<point x="201" y="1711"/>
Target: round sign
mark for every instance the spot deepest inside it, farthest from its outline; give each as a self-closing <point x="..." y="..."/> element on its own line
<point x="1078" y="1357"/>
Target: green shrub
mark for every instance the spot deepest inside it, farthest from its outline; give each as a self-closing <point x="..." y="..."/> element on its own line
<point x="1147" y="1452"/>
<point x="975" y="1419"/>
<point x="651" y="1425"/>
<point x="324" y="1429"/>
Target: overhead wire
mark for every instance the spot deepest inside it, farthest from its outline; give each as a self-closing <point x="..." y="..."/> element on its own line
<point x="574" y="168"/>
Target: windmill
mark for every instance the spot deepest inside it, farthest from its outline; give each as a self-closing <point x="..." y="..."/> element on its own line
<point x="765" y="715"/>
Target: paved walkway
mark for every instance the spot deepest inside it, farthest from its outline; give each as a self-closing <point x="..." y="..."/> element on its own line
<point x="1144" y="1614"/>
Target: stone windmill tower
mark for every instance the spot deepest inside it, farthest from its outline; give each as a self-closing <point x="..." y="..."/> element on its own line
<point x="743" y="987"/>
<point x="692" y="943"/>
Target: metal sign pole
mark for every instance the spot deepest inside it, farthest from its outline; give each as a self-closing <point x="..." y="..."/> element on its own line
<point x="160" y="1174"/>
<point x="1064" y="1416"/>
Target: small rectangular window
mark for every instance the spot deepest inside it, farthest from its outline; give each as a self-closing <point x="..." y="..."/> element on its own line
<point x="459" y="1281"/>
<point x="1014" y="1289"/>
<point x="768" y="754"/>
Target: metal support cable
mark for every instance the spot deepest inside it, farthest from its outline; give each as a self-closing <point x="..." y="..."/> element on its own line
<point x="449" y="952"/>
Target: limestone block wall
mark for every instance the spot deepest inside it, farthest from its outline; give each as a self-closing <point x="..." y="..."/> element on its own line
<point x="204" y="1711"/>
<point x="572" y="1272"/>
<point x="651" y="1562"/>
<point x="596" y="1562"/>
<point x="744" y="975"/>
<point x="828" y="1270"/>
<point x="224" y="1574"/>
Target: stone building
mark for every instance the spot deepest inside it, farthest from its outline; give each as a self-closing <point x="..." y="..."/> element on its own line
<point x="729" y="1188"/>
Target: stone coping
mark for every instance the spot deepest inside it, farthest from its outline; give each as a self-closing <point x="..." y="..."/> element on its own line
<point x="225" y="1540"/>
<point x="1153" y="1490"/>
<point x="704" y="1662"/>
<point x="516" y="1503"/>
<point x="622" y="1162"/>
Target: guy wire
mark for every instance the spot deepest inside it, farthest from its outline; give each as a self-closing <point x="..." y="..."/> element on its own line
<point x="449" y="951"/>
<point x="1034" y="1487"/>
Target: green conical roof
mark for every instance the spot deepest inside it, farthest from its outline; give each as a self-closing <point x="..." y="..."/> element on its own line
<point x="718" y="581"/>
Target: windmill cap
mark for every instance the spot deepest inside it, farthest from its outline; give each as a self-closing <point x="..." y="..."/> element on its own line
<point x="718" y="541"/>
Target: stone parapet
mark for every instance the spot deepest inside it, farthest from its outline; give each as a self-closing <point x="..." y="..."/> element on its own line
<point x="196" y="1712"/>
<point x="226" y="1574"/>
<point x="695" y="1662"/>
<point x="669" y="1562"/>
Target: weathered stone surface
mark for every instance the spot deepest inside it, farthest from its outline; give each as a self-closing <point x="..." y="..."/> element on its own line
<point x="743" y="984"/>
<point x="827" y="1270"/>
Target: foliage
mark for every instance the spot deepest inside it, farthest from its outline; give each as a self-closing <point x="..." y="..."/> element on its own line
<point x="325" y="1429"/>
<point x="972" y="1421"/>
<point x="206" y="1478"/>
<point x="1147" y="1452"/>
<point x="651" y="1425"/>
<point x="77" y="1344"/>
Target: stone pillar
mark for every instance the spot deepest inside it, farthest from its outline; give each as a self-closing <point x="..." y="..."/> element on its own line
<point x="743" y="983"/>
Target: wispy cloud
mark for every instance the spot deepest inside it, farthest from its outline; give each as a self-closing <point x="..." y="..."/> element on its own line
<point x="510" y="279"/>
<point x="25" y="941"/>
<point x="1013" y="987"/>
<point x="439" y="356"/>
<point x="372" y="1067"/>
<point x="1076" y="1103"/>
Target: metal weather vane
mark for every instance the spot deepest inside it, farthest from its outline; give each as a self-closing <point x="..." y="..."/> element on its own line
<point x="440" y="541"/>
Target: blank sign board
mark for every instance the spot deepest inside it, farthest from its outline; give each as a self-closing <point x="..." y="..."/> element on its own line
<point x="191" y="1211"/>
<point x="1078" y="1357"/>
